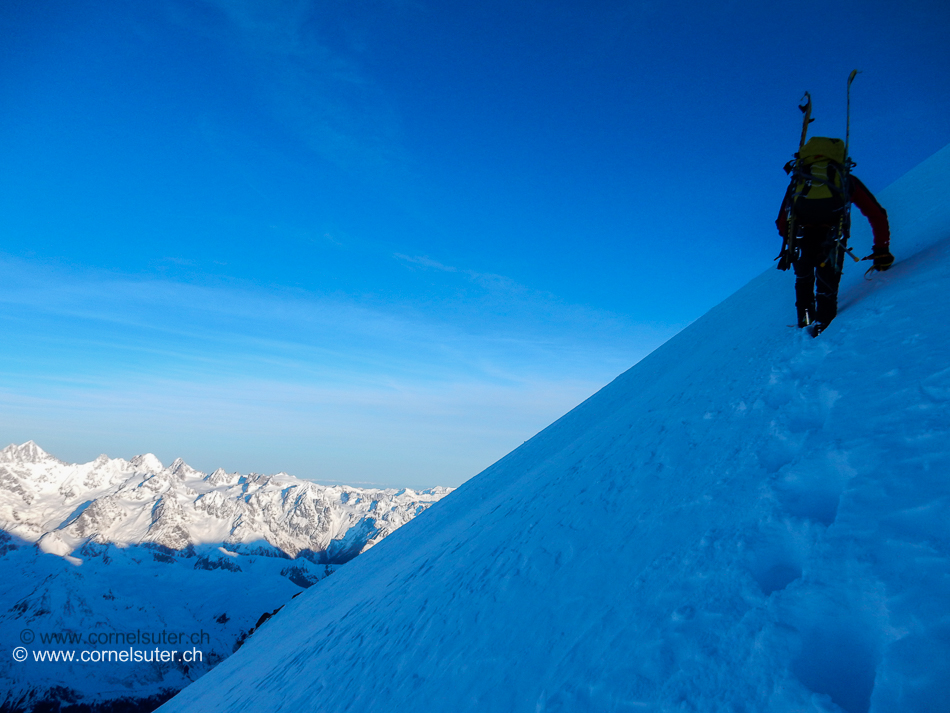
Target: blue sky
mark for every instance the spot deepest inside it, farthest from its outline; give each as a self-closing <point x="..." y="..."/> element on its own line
<point x="389" y="241"/>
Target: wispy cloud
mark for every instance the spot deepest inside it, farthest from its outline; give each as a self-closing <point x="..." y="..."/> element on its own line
<point x="218" y="372"/>
<point x="320" y="334"/>
<point x="423" y="261"/>
<point x="404" y="433"/>
<point x="540" y="316"/>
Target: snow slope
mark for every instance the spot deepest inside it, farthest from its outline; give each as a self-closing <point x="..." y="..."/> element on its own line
<point x="747" y="520"/>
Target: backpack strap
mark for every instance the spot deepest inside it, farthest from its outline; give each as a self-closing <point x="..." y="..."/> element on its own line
<point x="802" y="175"/>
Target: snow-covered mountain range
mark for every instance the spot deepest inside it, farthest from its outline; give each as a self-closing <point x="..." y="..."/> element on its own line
<point x="749" y="519"/>
<point x="110" y="500"/>
<point x="126" y="546"/>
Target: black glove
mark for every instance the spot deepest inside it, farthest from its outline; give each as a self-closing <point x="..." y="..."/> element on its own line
<point x="882" y="259"/>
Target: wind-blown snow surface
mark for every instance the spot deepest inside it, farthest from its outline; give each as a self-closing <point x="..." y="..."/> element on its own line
<point x="747" y="520"/>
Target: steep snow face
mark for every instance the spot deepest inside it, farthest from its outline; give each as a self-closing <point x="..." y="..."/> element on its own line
<point x="63" y="506"/>
<point x="748" y="519"/>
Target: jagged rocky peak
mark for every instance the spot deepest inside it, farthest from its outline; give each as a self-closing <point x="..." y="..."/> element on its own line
<point x="27" y="452"/>
<point x="147" y="463"/>
<point x="220" y="477"/>
<point x="182" y="470"/>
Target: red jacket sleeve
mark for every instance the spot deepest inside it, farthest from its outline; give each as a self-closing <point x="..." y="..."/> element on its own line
<point x="875" y="214"/>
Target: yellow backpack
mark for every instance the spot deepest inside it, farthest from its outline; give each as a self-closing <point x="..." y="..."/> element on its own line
<point x="819" y="181"/>
<point x="820" y="167"/>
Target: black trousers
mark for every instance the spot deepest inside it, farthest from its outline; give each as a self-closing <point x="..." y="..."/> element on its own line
<point x="817" y="274"/>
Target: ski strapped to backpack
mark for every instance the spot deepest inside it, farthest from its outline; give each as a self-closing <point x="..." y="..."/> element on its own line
<point x="844" y="228"/>
<point x="787" y="254"/>
<point x="819" y="190"/>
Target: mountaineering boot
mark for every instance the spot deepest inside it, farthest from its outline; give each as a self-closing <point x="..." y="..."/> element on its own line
<point x="817" y="328"/>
